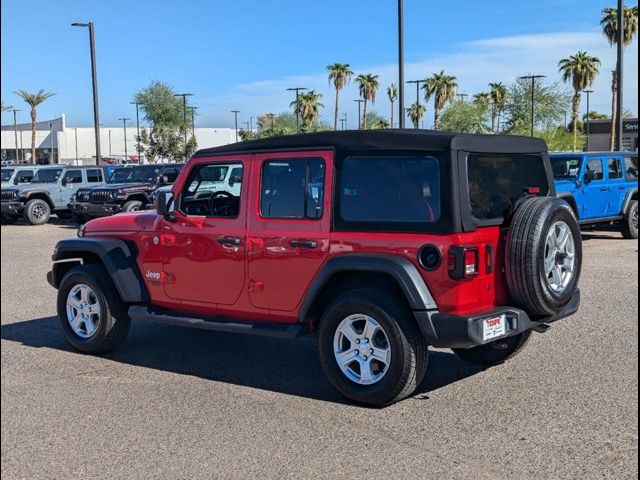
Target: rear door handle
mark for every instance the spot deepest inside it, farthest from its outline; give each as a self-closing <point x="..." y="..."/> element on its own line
<point x="307" y="244"/>
<point x="604" y="189"/>
<point x="229" y="241"/>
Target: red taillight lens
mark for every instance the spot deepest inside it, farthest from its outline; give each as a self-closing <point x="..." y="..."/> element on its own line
<point x="464" y="262"/>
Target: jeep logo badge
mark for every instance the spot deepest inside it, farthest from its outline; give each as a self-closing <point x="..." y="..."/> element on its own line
<point x="152" y="275"/>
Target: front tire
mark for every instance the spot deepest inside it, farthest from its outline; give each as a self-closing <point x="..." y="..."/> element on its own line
<point x="370" y="347"/>
<point x="132" y="206"/>
<point x="92" y="316"/>
<point x="494" y="353"/>
<point x="630" y="225"/>
<point x="37" y="212"/>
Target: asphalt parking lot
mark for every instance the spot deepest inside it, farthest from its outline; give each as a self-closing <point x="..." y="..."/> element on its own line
<point x="178" y="403"/>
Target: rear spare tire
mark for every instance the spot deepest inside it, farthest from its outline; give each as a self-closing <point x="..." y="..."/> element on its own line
<point x="543" y="255"/>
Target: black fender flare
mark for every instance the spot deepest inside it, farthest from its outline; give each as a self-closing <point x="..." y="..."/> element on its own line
<point x="39" y="193"/>
<point x="628" y="199"/>
<point x="571" y="200"/>
<point x="117" y="258"/>
<point x="399" y="268"/>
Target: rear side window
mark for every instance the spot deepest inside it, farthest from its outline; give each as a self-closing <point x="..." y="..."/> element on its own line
<point x="24" y="176"/>
<point x="171" y="173"/>
<point x="595" y="167"/>
<point x="390" y="190"/>
<point x="73" y="176"/>
<point x="615" y="168"/>
<point x="631" y="168"/>
<point x="497" y="182"/>
<point x="292" y="189"/>
<point x="94" y="175"/>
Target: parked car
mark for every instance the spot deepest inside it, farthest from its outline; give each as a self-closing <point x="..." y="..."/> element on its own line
<point x="601" y="187"/>
<point x="382" y="242"/>
<point x="48" y="192"/>
<point x="128" y="190"/>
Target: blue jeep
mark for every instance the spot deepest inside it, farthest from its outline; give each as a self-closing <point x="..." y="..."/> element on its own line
<point x="602" y="187"/>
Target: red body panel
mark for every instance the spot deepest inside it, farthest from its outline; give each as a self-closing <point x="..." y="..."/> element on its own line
<point x="264" y="278"/>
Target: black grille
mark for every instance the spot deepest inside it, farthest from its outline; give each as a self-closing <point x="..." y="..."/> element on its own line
<point x="9" y="194"/>
<point x="102" y="196"/>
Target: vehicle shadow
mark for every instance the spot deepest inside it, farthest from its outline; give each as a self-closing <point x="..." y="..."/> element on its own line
<point x="278" y="365"/>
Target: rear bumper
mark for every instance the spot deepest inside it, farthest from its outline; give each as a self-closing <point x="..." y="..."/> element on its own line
<point x="94" y="209"/>
<point x="12" y="208"/>
<point x="451" y="331"/>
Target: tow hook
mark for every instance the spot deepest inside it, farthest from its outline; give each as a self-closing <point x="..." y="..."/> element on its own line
<point x="542" y="328"/>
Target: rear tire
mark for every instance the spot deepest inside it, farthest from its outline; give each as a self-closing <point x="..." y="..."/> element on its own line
<point x="132" y="206"/>
<point x="630" y="225"/>
<point x="112" y="321"/>
<point x="496" y="352"/>
<point x="37" y="212"/>
<point x="543" y="255"/>
<point x="407" y="349"/>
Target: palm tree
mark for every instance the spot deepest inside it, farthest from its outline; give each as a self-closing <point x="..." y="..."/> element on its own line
<point x="499" y="95"/>
<point x="609" y="24"/>
<point x="581" y="70"/>
<point x="340" y="74"/>
<point x="33" y="100"/>
<point x="368" y="85"/>
<point x="482" y="98"/>
<point x="442" y="88"/>
<point x="416" y="111"/>
<point x="392" y="93"/>
<point x="308" y="107"/>
<point x="6" y="108"/>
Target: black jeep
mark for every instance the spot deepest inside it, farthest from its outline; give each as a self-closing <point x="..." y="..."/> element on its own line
<point x="129" y="189"/>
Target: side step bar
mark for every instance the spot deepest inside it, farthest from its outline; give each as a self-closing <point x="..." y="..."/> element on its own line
<point x="148" y="314"/>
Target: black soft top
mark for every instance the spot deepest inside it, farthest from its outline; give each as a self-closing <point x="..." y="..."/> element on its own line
<point x="386" y="139"/>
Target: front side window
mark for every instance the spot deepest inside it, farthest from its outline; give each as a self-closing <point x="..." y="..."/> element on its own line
<point x="292" y="189"/>
<point x="207" y="194"/>
<point x="6" y="174"/>
<point x="94" y="175"/>
<point x="120" y="175"/>
<point x="631" y="168"/>
<point x="384" y="190"/>
<point x="595" y="170"/>
<point x="615" y="168"/>
<point x="566" y="168"/>
<point x="73" y="176"/>
<point x="47" y="175"/>
<point x="497" y="182"/>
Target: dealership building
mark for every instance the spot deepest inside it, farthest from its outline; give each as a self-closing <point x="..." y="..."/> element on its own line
<point x="58" y="143"/>
<point x="600" y="134"/>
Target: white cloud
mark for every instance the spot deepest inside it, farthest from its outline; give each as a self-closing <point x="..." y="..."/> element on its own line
<point x="475" y="64"/>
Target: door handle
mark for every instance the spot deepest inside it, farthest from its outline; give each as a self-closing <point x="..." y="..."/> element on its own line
<point x="604" y="189"/>
<point x="229" y="241"/>
<point x="622" y="188"/>
<point x="307" y="244"/>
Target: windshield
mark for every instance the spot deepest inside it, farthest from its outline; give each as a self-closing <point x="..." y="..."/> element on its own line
<point x="566" y="168"/>
<point x="120" y="175"/>
<point x="6" y="174"/>
<point x="47" y="175"/>
<point x="144" y="174"/>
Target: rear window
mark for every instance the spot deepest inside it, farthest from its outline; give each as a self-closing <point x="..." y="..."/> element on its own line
<point x="390" y="190"/>
<point x="6" y="174"/>
<point x="497" y="182"/>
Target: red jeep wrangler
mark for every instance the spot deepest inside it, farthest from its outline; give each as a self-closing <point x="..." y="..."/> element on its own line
<point x="383" y="242"/>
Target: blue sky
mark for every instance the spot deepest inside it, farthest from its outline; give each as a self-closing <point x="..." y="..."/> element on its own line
<point x="242" y="54"/>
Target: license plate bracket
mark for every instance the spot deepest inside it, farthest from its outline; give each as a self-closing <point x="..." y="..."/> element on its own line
<point x="494" y="327"/>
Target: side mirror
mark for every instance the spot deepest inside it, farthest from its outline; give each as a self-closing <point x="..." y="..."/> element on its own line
<point x="589" y="176"/>
<point x="164" y="203"/>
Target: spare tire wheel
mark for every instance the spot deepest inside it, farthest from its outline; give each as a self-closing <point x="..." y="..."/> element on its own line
<point x="543" y="255"/>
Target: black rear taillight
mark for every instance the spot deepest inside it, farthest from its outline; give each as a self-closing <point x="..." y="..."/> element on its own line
<point x="464" y="262"/>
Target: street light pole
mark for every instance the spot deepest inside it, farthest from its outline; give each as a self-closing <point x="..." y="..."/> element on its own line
<point x="346" y="125"/>
<point x="359" y="102"/>
<point x="110" y="142"/>
<point x="94" y="81"/>
<point x="462" y="96"/>
<point x="533" y="100"/>
<point x="124" y="124"/>
<point x="297" y="90"/>
<point x="137" y="104"/>
<point x="588" y="92"/>
<point x="15" y="129"/>
<point x="184" y="118"/>
<point x="51" y="142"/>
<point x="417" y="82"/>
<point x="193" y="120"/>
<point x="619" y="72"/>
<point x="235" y="114"/>
<point x="76" y="138"/>
<point x="401" y="62"/>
